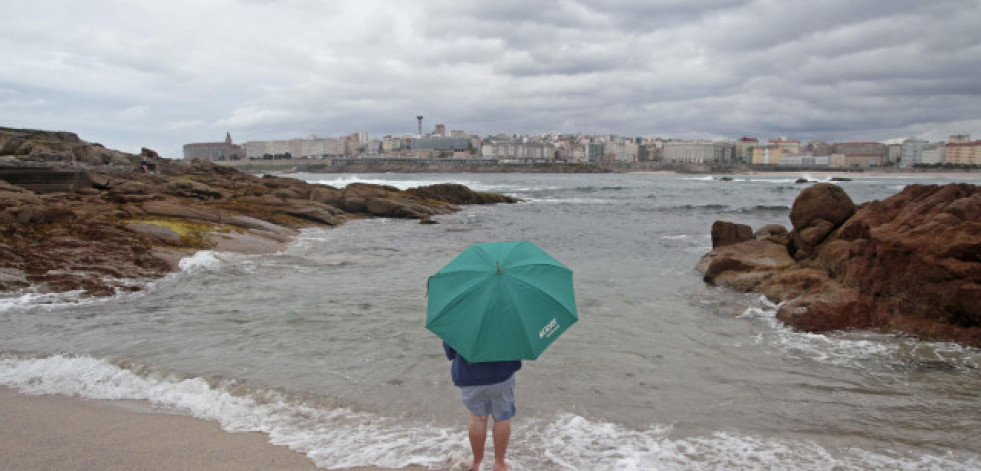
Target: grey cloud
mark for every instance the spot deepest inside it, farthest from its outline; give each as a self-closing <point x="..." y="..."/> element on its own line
<point x="502" y="14"/>
<point x="639" y="16"/>
<point x="767" y="24"/>
<point x="626" y="16"/>
<point x="163" y="75"/>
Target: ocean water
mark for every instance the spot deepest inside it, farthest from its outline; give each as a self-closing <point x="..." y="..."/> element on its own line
<point x="323" y="346"/>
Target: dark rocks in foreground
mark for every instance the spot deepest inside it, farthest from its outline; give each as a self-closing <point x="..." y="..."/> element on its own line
<point x="100" y="222"/>
<point x="910" y="263"/>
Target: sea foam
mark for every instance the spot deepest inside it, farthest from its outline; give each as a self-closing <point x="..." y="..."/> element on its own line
<point x="337" y="437"/>
<point x="205" y="260"/>
<point x="201" y="260"/>
<point x="855" y="349"/>
<point x="345" y="180"/>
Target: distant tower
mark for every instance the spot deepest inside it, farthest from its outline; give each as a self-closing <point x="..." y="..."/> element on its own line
<point x="419" y="118"/>
<point x="228" y="138"/>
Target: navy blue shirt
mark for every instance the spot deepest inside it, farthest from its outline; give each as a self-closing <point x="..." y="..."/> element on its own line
<point x="478" y="374"/>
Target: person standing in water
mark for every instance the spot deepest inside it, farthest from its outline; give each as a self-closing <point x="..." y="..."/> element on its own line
<point x="487" y="390"/>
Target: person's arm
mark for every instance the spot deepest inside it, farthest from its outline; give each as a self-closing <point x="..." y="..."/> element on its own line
<point x="450" y="353"/>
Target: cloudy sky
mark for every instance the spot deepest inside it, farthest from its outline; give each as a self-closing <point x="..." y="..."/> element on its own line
<point x="133" y="73"/>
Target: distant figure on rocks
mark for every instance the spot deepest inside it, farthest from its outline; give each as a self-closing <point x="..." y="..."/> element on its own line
<point x="144" y="165"/>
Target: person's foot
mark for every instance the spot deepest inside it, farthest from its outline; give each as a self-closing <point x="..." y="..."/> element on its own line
<point x="501" y="467"/>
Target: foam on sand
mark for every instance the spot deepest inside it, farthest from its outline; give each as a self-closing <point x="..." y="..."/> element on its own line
<point x="337" y="437"/>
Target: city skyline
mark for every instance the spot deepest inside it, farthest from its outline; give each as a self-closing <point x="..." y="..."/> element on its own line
<point x="960" y="149"/>
<point x="163" y="75"/>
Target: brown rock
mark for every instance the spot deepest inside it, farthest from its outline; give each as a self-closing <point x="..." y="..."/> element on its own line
<point x="181" y="209"/>
<point x="386" y="201"/>
<point x="59" y="214"/>
<point x="728" y="233"/>
<point x="155" y="233"/>
<point x="795" y="282"/>
<point x="773" y="233"/>
<point x="327" y="195"/>
<point x="12" y="278"/>
<point x="313" y="214"/>
<point x="813" y="234"/>
<point x="126" y="224"/>
<point x="744" y="281"/>
<point x="909" y="263"/>
<point x="290" y="193"/>
<point x="918" y="255"/>
<point x="454" y="193"/>
<point x="355" y="196"/>
<point x="280" y="232"/>
<point x="131" y="188"/>
<point x="749" y="256"/>
<point x="252" y="242"/>
<point x="837" y="309"/>
<point x="385" y="207"/>
<point x="192" y="189"/>
<point x="12" y="195"/>
<point x="821" y="201"/>
<point x="33" y="214"/>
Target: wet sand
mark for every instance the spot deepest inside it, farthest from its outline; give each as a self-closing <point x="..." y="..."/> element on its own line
<point x="53" y="432"/>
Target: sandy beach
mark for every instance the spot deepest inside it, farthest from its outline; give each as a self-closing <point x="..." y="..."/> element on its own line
<point x="54" y="432"/>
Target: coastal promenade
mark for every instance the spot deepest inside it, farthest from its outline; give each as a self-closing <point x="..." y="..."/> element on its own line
<point x="407" y="165"/>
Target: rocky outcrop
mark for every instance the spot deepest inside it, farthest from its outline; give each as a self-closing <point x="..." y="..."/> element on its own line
<point x="728" y="233"/>
<point x="59" y="146"/>
<point x="125" y="221"/>
<point x="458" y="194"/>
<point x="817" y="211"/>
<point x="910" y="263"/>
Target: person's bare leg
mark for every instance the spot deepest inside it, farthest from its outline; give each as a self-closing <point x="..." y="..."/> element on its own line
<point x="502" y="436"/>
<point x="478" y="435"/>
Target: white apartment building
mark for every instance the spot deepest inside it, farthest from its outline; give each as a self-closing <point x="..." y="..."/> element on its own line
<point x="297" y="148"/>
<point x="805" y="159"/>
<point x="697" y="152"/>
<point x="935" y="153"/>
<point x="620" y="150"/>
<point x="514" y="150"/>
<point x="912" y="152"/>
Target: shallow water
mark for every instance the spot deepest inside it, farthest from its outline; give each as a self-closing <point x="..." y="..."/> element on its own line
<point x="323" y="346"/>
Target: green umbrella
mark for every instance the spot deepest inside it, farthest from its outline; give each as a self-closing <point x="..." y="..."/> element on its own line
<point x="501" y="301"/>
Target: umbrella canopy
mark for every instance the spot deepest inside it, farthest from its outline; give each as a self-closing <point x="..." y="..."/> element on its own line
<point x="501" y="301"/>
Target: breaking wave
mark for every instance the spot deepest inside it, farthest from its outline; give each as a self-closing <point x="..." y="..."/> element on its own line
<point x="338" y="437"/>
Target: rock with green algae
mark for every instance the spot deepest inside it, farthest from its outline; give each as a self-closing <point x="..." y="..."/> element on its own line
<point x="130" y="224"/>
